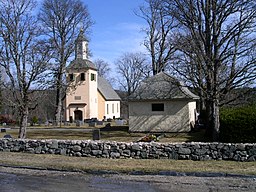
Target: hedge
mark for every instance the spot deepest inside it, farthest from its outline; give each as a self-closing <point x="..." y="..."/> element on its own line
<point x="238" y="125"/>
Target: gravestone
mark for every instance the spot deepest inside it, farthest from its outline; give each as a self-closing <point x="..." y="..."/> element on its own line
<point x="96" y="134"/>
<point x="8" y="136"/>
<point x="3" y="130"/>
<point x="99" y="122"/>
<point x="78" y="123"/>
<point x="92" y="124"/>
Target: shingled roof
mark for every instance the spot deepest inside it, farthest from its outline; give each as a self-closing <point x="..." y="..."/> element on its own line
<point x="81" y="36"/>
<point x="106" y="90"/>
<point x="80" y="63"/>
<point x="162" y="87"/>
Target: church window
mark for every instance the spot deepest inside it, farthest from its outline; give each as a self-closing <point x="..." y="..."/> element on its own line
<point x="82" y="77"/>
<point x="71" y="77"/>
<point x="93" y="77"/>
<point x="157" y="107"/>
<point x="113" y="108"/>
<point x="107" y="109"/>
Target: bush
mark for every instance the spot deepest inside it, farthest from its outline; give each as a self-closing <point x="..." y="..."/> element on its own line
<point x="6" y="119"/>
<point x="34" y="120"/>
<point x="238" y="125"/>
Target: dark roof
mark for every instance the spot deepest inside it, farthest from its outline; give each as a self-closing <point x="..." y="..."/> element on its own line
<point x="79" y="64"/>
<point x="162" y="86"/>
<point x="106" y="90"/>
<point x="81" y="36"/>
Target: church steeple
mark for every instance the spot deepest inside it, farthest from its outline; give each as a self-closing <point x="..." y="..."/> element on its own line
<point x="81" y="46"/>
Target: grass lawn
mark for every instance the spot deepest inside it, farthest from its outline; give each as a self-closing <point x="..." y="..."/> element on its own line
<point x="125" y="165"/>
<point x="85" y="134"/>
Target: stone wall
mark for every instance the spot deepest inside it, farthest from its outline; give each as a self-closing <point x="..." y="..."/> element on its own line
<point x="153" y="150"/>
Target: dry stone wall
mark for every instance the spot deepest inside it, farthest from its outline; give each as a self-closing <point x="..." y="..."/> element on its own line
<point x="153" y="150"/>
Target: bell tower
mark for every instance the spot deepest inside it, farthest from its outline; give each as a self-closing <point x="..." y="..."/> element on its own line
<point x="81" y="46"/>
<point x="81" y="95"/>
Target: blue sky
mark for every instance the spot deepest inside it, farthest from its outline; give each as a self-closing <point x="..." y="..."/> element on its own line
<point x="116" y="30"/>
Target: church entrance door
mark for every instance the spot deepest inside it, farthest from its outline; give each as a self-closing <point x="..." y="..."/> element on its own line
<point x="78" y="115"/>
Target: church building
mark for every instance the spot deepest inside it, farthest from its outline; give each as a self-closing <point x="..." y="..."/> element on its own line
<point x="88" y="95"/>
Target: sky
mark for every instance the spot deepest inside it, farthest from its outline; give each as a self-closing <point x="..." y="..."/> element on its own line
<point x="117" y="29"/>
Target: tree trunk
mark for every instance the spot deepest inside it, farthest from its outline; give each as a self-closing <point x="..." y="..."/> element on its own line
<point x="212" y="120"/>
<point x="23" y="123"/>
<point x="207" y="119"/>
<point x="59" y="96"/>
<point x="58" y="108"/>
<point x="202" y="107"/>
<point x="215" y="121"/>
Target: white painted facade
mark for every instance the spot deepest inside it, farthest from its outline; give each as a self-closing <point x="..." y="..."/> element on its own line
<point x="176" y="117"/>
<point x="162" y="105"/>
<point x="112" y="109"/>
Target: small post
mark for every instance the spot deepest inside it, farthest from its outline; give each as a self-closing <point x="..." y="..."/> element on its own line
<point x="96" y="134"/>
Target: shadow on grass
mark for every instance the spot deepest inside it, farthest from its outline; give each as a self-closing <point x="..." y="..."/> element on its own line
<point x="196" y="136"/>
<point x="119" y="135"/>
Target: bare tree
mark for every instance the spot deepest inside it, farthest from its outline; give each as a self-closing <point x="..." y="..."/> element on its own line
<point x="103" y="68"/>
<point x="23" y="55"/>
<point x="132" y="68"/>
<point x="2" y="79"/>
<point x="217" y="47"/>
<point x="159" y="34"/>
<point x="187" y="66"/>
<point x="62" y="20"/>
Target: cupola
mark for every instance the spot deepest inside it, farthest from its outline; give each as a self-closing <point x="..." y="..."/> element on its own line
<point x="81" y="46"/>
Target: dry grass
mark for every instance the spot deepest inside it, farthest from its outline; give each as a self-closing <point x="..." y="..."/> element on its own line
<point x="125" y="165"/>
<point x="81" y="134"/>
<point x="85" y="134"/>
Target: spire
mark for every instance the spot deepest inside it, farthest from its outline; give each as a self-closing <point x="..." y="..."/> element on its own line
<point x="81" y="46"/>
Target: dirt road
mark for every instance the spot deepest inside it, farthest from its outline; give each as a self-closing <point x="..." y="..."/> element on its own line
<point x="25" y="180"/>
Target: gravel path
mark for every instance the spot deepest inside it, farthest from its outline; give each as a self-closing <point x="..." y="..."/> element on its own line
<point x="21" y="180"/>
